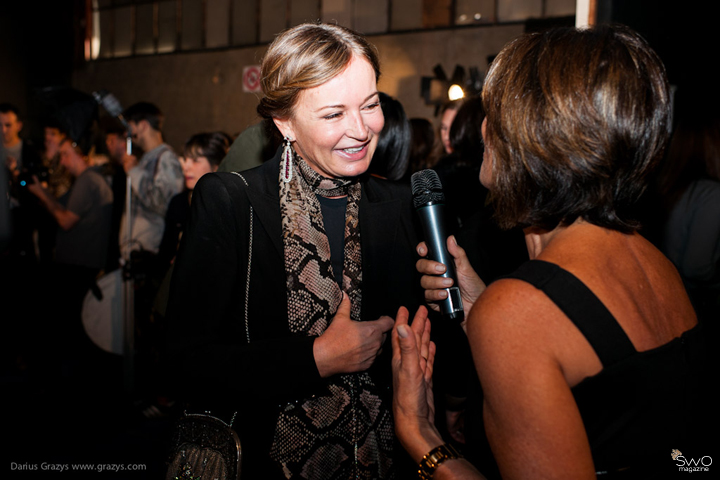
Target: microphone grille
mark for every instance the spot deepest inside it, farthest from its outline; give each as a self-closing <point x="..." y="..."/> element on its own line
<point x="109" y="102"/>
<point x="426" y="188"/>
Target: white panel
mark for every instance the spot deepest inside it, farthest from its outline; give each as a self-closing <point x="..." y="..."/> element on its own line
<point x="123" y="32"/>
<point x="192" y="20"/>
<point x="144" y="24"/>
<point x="244" y="22"/>
<point x="560" y="8"/>
<point x="302" y="11"/>
<point x="106" y="30"/>
<point x="167" y="26"/>
<point x="337" y="11"/>
<point x="371" y="16"/>
<point x="217" y="23"/>
<point x="474" y="11"/>
<point x="273" y="18"/>
<point x="406" y="14"/>
<point x="509" y="10"/>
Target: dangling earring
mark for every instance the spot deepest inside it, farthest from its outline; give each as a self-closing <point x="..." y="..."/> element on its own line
<point x="287" y="158"/>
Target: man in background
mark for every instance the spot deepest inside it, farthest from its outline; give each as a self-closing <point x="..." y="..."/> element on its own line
<point x="19" y="157"/>
<point x="155" y="178"/>
<point x="115" y="138"/>
<point x="17" y="154"/>
<point x="80" y="247"/>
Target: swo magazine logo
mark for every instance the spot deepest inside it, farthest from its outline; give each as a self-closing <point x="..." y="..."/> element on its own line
<point x="701" y="464"/>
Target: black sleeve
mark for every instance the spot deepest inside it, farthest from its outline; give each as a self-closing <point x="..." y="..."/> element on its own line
<point x="207" y="346"/>
<point x="175" y="220"/>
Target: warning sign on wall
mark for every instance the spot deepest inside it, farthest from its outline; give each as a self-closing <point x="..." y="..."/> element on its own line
<point x="251" y="79"/>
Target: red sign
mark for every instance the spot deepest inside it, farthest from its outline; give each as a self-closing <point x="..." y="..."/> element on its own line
<point x="251" y="79"/>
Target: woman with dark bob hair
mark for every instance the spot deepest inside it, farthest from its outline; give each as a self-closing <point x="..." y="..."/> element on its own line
<point x="289" y="274"/>
<point x="580" y="350"/>
<point x="202" y="154"/>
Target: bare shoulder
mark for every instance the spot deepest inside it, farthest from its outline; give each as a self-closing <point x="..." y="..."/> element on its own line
<point x="512" y="315"/>
<point x="517" y="336"/>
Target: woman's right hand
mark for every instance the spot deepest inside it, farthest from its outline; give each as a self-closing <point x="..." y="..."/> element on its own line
<point x="470" y="284"/>
<point x="348" y="346"/>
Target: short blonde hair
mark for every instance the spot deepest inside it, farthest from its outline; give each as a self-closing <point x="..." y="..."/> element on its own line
<point x="307" y="56"/>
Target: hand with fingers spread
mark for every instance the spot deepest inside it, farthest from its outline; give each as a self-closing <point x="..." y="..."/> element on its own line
<point x="348" y="346"/>
<point x="471" y="286"/>
<point x="413" y="403"/>
<point x="412" y="363"/>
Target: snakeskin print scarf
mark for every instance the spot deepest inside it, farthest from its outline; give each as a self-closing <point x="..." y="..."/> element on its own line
<point x="345" y="431"/>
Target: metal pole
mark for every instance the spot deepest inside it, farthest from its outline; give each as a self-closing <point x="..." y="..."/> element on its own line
<point x="128" y="288"/>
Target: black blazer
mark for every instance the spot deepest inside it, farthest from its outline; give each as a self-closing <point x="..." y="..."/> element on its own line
<point x="210" y="356"/>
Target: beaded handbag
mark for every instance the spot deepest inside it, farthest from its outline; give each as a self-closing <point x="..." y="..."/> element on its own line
<point x="204" y="447"/>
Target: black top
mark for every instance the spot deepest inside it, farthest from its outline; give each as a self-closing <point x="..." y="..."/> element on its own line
<point x="628" y="408"/>
<point x="333" y="212"/>
<point x="175" y="220"/>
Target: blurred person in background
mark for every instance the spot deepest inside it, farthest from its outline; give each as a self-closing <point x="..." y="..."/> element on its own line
<point x="421" y="146"/>
<point x="392" y="154"/>
<point x="202" y="154"/>
<point x="689" y="184"/>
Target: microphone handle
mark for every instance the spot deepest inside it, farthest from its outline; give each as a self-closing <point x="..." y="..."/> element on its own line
<point x="432" y="218"/>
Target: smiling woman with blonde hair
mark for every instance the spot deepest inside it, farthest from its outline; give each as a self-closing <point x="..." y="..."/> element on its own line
<point x="288" y="274"/>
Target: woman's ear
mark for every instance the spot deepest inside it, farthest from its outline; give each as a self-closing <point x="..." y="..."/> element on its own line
<point x="285" y="127"/>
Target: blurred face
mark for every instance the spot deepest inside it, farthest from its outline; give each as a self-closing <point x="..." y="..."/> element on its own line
<point x="445" y="123"/>
<point x="11" y="127"/>
<point x="194" y="168"/>
<point x="53" y="137"/>
<point x="487" y="163"/>
<point x="116" y="145"/>
<point x="137" y="130"/>
<point x="335" y="126"/>
<point x="70" y="159"/>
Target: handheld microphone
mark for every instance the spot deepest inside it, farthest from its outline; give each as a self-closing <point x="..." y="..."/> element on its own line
<point x="429" y="202"/>
<point x="112" y="105"/>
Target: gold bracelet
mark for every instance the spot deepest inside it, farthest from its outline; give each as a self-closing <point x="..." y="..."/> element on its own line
<point x="434" y="458"/>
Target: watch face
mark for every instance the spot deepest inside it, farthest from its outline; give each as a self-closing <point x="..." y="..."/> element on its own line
<point x="434" y="458"/>
<point x="437" y="456"/>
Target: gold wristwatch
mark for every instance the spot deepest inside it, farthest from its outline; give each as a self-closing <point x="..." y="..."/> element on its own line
<point x="434" y="458"/>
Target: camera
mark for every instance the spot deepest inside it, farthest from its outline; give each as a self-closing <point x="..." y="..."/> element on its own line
<point x="25" y="177"/>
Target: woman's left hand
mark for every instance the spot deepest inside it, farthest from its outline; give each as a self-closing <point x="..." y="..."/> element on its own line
<point x="413" y="403"/>
<point x="348" y="346"/>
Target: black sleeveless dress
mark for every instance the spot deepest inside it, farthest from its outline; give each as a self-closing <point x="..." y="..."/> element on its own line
<point x="642" y="405"/>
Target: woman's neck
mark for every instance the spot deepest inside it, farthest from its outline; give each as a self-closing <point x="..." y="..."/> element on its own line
<point x="537" y="239"/>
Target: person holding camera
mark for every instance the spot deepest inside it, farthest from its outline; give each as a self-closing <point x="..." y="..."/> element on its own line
<point x="81" y="242"/>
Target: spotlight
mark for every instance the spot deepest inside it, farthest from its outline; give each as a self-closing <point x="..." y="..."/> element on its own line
<point x="455" y="92"/>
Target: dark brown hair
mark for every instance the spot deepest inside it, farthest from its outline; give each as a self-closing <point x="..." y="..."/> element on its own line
<point x="576" y="120"/>
<point x="465" y="131"/>
<point x="145" y="111"/>
<point x="307" y="56"/>
<point x="213" y="146"/>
